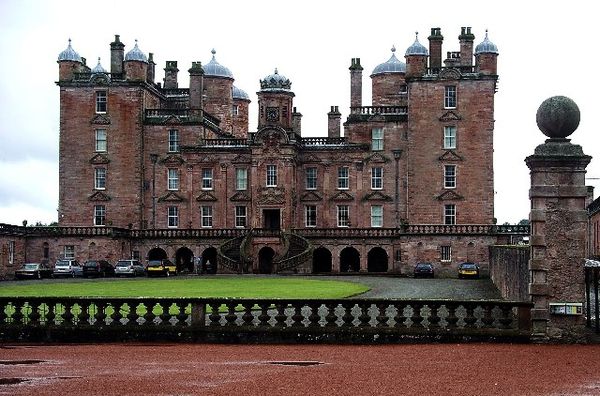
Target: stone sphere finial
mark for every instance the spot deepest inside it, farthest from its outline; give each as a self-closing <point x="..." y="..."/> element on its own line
<point x="558" y="117"/>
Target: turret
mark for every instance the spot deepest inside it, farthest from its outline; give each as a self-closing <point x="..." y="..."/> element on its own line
<point x="136" y="65"/>
<point x="486" y="57"/>
<point x="117" y="53"/>
<point x="171" y="70"/>
<point x="435" y="48"/>
<point x="275" y="101"/>
<point x="416" y="59"/>
<point x="466" y="46"/>
<point x="69" y="63"/>
<point x="387" y="81"/>
<point x="218" y="86"/>
<point x="333" y="122"/>
<point x="240" y="111"/>
<point x="356" y="83"/>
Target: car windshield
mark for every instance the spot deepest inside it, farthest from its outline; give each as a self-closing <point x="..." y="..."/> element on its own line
<point x="423" y="266"/>
<point x="62" y="264"/>
<point x="468" y="266"/>
<point x="91" y="264"/>
<point x="154" y="263"/>
<point x="30" y="266"/>
<point x="123" y="264"/>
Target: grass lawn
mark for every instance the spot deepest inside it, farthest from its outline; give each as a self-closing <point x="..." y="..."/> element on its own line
<point x="208" y="287"/>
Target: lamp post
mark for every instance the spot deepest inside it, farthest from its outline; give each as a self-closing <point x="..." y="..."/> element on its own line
<point x="154" y="159"/>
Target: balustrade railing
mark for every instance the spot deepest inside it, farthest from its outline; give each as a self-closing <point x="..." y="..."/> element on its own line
<point x="383" y="110"/>
<point x="189" y="233"/>
<point x="55" y="318"/>
<point x="323" y="141"/>
<point x="154" y="113"/>
<point x="224" y="142"/>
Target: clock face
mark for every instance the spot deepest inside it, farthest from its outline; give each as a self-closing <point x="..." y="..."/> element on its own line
<point x="272" y="114"/>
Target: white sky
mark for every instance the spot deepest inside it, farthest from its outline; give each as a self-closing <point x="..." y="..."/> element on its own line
<point x="546" y="48"/>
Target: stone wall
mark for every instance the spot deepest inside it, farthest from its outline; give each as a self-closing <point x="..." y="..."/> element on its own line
<point x="509" y="271"/>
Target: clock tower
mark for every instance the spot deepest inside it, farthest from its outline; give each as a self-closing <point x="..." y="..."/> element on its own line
<point x="275" y="102"/>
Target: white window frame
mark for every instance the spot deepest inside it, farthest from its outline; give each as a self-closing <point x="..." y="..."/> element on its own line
<point x="241" y="216"/>
<point x="450" y="214"/>
<point x="311" y="178"/>
<point x="101" y="102"/>
<point x="99" y="215"/>
<point x="343" y="215"/>
<point x="343" y="179"/>
<point x="173" y="140"/>
<point x="377" y="139"/>
<point x="271" y="175"/>
<point x="241" y="179"/>
<point x="377" y="178"/>
<point x="235" y="110"/>
<point x="11" y="252"/>
<point x="100" y="178"/>
<point x="377" y="216"/>
<point x="450" y="137"/>
<point x="172" y="217"/>
<point x="449" y="176"/>
<point x="450" y="97"/>
<point x="206" y="216"/>
<point x="310" y="215"/>
<point x="207" y="178"/>
<point x="173" y="179"/>
<point x="101" y="144"/>
<point x="446" y="254"/>
<point x="69" y="252"/>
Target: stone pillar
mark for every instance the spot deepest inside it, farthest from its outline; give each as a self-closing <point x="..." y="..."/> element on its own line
<point x="558" y="225"/>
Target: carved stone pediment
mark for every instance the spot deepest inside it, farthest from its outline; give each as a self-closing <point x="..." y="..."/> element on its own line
<point x="100" y="119"/>
<point x="172" y="119"/>
<point x="342" y="196"/>
<point x="171" y="196"/>
<point x="449" y="74"/>
<point x="270" y="137"/>
<point x="450" y="155"/>
<point x="311" y="196"/>
<point x="100" y="79"/>
<point x="449" y="195"/>
<point x="377" y="158"/>
<point x="271" y="195"/>
<point x="99" y="196"/>
<point x="209" y="159"/>
<point x="450" y="116"/>
<point x="376" y="196"/>
<point x="341" y="158"/>
<point x="206" y="196"/>
<point x="241" y="159"/>
<point x="99" y="159"/>
<point x="172" y="160"/>
<point x="311" y="158"/>
<point x="240" y="196"/>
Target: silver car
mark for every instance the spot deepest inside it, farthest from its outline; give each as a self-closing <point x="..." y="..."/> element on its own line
<point x="67" y="268"/>
<point x="129" y="268"/>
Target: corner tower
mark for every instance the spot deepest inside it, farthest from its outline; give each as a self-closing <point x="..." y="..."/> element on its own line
<point x="275" y="101"/>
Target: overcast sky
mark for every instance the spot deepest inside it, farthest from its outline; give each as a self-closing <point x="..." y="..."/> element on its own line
<point x="546" y="48"/>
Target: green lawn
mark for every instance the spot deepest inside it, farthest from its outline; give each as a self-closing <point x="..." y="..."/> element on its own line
<point x="209" y="287"/>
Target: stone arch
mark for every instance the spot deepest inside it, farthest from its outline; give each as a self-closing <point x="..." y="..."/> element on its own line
<point x="322" y="261"/>
<point x="209" y="260"/>
<point x="184" y="259"/>
<point x="157" y="254"/>
<point x="265" y="260"/>
<point x="377" y="260"/>
<point x="349" y="260"/>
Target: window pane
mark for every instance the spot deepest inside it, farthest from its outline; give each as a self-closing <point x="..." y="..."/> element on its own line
<point x="376" y="216"/>
<point x="449" y="176"/>
<point x="173" y="216"/>
<point x="271" y="175"/>
<point x="173" y="140"/>
<point x="377" y="139"/>
<point x="343" y="216"/>
<point x="450" y="214"/>
<point x="101" y="102"/>
<point x="311" y="178"/>
<point x="311" y="215"/>
<point x="207" y="216"/>
<point x="173" y="182"/>
<point x="101" y="140"/>
<point x="343" y="178"/>
<point x="376" y="178"/>
<point x="100" y="179"/>
<point x="450" y="137"/>
<point x="446" y="253"/>
<point x="99" y="215"/>
<point x="241" y="179"/>
<point x="240" y="216"/>
<point x="207" y="179"/>
<point x="450" y="96"/>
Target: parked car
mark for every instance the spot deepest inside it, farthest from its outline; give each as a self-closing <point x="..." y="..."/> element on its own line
<point x="33" y="271"/>
<point x="163" y="267"/>
<point x="468" y="270"/>
<point x="129" y="268"/>
<point x="97" y="268"/>
<point x="67" y="268"/>
<point x="423" y="270"/>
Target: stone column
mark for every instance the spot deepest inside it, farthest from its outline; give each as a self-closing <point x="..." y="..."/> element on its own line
<point x="558" y="224"/>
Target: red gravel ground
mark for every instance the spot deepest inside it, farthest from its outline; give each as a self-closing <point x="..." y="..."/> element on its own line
<point x="200" y="369"/>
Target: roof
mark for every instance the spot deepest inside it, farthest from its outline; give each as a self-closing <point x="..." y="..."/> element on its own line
<point x="215" y="69"/>
<point x="69" y="54"/>
<point x="393" y="65"/>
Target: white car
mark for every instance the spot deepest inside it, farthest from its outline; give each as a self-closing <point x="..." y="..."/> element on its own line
<point x="67" y="268"/>
<point x="129" y="268"/>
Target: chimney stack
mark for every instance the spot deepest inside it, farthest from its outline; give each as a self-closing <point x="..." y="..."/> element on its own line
<point x="171" y="71"/>
<point x="466" y="39"/>
<point x="117" y="54"/>
<point x="356" y="83"/>
<point x="196" y="85"/>
<point x="297" y="122"/>
<point x="435" y="48"/>
<point x="333" y="122"/>
<point x="151" y="68"/>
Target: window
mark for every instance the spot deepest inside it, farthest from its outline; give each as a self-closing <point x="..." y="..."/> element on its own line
<point x="377" y="139"/>
<point x="271" y="175"/>
<point x="311" y="178"/>
<point x="376" y="216"/>
<point x="101" y="140"/>
<point x="240" y="216"/>
<point x="449" y="176"/>
<point x="450" y="97"/>
<point x="343" y="216"/>
<point x="99" y="215"/>
<point x="11" y="252"/>
<point x="69" y="252"/>
<point x="450" y="214"/>
<point x="235" y="110"/>
<point x="173" y="179"/>
<point x="135" y="255"/>
<point x="343" y="178"/>
<point x="100" y="178"/>
<point x="173" y="140"/>
<point x="376" y="178"/>
<point x="446" y="252"/>
<point x="310" y="215"/>
<point x="207" y="216"/>
<point x="449" y="137"/>
<point x="173" y="216"/>
<point x="241" y="179"/>
<point x="207" y="179"/>
<point x="100" y="101"/>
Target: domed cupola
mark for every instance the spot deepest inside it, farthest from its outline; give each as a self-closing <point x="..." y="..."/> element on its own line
<point x="215" y="69"/>
<point x="99" y="69"/>
<point x="393" y="65"/>
<point x="275" y="82"/>
<point x="239" y="94"/>
<point x="486" y="46"/>
<point x="136" y="54"/>
<point x="69" y="55"/>
<point x="417" y="48"/>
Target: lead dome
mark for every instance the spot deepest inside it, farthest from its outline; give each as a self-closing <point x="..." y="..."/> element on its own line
<point x="486" y="46"/>
<point x="416" y="48"/>
<point x="215" y="69"/>
<point x="275" y="81"/>
<point x="393" y="65"/>
<point x="136" y="54"/>
<point x="69" y="54"/>
<point x="238" y="93"/>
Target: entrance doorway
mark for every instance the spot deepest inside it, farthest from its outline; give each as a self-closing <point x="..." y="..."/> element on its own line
<point x="265" y="260"/>
<point x="184" y="260"/>
<point x="271" y="219"/>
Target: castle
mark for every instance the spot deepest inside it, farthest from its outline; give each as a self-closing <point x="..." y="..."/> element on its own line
<point x="172" y="172"/>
